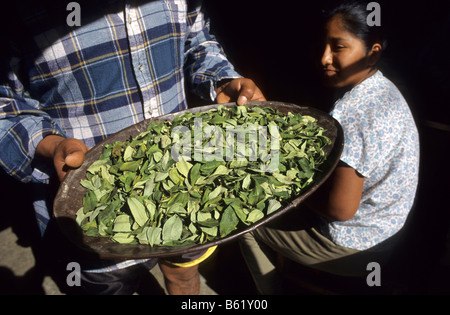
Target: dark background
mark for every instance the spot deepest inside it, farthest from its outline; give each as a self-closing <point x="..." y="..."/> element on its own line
<point x="276" y="44"/>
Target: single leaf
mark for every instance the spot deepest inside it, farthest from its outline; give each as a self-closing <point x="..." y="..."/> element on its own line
<point x="128" y="154"/>
<point x="95" y="166"/>
<point x="228" y="222"/>
<point x="194" y="173"/>
<point x="165" y="161"/>
<point x="254" y="216"/>
<point x="89" y="201"/>
<point x="175" y="176"/>
<point x="210" y="222"/>
<point x="212" y="231"/>
<point x="137" y="210"/>
<point x="124" y="238"/>
<point x="209" y="167"/>
<point x="154" y="235"/>
<point x="149" y="187"/>
<point x="157" y="156"/>
<point x="150" y="236"/>
<point x="122" y="223"/>
<point x="87" y="184"/>
<point x="130" y="166"/>
<point x="151" y="208"/>
<point x="241" y="213"/>
<point x="256" y="195"/>
<point x="274" y="205"/>
<point x="176" y="208"/>
<point x="165" y="141"/>
<point x="246" y="182"/>
<point x="160" y="176"/>
<point x="282" y="178"/>
<point x="215" y="193"/>
<point x="106" y="175"/>
<point x="221" y="170"/>
<point x="183" y="167"/>
<point x="172" y="229"/>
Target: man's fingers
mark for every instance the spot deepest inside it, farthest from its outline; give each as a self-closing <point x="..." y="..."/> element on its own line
<point x="69" y="154"/>
<point x="248" y="91"/>
<point x="74" y="159"/>
<point x="73" y="152"/>
<point x="241" y="90"/>
<point x="242" y="100"/>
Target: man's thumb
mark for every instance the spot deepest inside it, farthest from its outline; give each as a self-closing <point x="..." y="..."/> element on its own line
<point x="74" y="159"/>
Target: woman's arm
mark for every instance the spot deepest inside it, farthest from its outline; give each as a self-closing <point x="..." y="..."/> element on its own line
<point x="339" y="197"/>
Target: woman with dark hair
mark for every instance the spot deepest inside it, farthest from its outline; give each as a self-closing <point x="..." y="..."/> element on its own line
<point x="349" y="39"/>
<point x="353" y="218"/>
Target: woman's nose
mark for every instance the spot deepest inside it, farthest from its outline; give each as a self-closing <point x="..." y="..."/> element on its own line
<point x="327" y="58"/>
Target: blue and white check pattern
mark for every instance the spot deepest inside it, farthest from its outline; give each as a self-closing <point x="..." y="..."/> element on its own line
<point x="113" y="71"/>
<point x="128" y="61"/>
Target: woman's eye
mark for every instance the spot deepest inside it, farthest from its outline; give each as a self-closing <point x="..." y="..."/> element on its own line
<point x="339" y="47"/>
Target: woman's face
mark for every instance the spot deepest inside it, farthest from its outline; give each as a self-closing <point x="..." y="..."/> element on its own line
<point x="345" y="60"/>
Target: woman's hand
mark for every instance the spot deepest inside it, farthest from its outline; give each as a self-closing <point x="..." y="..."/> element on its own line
<point x="65" y="153"/>
<point x="241" y="90"/>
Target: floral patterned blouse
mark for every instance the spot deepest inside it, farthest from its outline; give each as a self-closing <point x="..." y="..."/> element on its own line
<point x="382" y="144"/>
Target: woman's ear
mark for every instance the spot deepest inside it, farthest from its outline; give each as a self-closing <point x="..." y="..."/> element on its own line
<point x="375" y="54"/>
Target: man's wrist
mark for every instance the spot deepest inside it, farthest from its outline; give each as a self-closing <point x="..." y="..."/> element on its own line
<point x="47" y="147"/>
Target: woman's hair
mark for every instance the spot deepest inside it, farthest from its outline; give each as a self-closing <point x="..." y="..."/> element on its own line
<point x="353" y="15"/>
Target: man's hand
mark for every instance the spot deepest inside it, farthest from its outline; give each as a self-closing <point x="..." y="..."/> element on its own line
<point x="241" y="90"/>
<point x="65" y="153"/>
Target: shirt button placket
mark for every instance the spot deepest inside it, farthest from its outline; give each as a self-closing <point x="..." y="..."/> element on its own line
<point x="138" y="59"/>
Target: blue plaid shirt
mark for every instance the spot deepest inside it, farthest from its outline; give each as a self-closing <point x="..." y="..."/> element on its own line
<point x="126" y="62"/>
<point x="118" y="68"/>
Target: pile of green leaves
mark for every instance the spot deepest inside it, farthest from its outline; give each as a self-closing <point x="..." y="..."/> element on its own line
<point x="137" y="193"/>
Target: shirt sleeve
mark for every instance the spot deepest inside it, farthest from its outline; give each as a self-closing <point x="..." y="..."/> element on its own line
<point x="205" y="60"/>
<point x="361" y="139"/>
<point x="22" y="126"/>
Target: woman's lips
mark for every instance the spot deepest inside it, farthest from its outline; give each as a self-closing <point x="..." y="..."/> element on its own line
<point x="329" y="72"/>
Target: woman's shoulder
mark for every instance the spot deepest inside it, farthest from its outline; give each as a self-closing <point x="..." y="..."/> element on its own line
<point x="380" y="87"/>
<point x="375" y="93"/>
<point x="376" y="106"/>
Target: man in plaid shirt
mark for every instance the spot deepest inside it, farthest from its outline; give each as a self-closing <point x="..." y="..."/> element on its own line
<point x="65" y="88"/>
